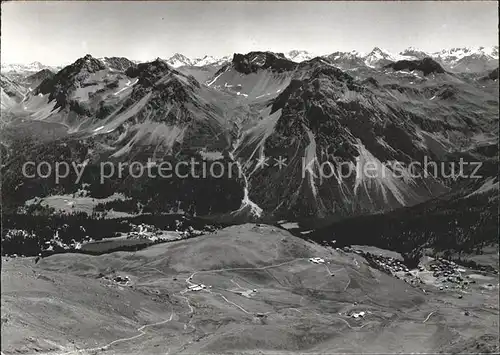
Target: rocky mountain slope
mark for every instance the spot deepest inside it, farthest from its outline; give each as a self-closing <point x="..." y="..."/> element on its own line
<point x="426" y="66"/>
<point x="261" y="109"/>
<point x="11" y="92"/>
<point x="322" y="118"/>
<point x="460" y="222"/>
<point x="117" y="63"/>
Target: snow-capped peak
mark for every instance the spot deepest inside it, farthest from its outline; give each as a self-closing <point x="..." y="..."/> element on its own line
<point x="378" y="56"/>
<point x="459" y="53"/>
<point x="299" y="55"/>
<point x="379" y="52"/>
<point x="206" y="60"/>
<point x="178" y="60"/>
<point x="210" y="60"/>
<point x="468" y="59"/>
<point x="477" y="59"/>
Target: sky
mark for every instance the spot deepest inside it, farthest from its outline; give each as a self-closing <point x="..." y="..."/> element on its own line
<point x="59" y="32"/>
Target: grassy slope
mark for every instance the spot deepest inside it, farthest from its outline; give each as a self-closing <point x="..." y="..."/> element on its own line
<point x="62" y="302"/>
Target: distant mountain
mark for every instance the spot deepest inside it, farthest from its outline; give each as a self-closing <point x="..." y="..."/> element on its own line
<point x="26" y="68"/>
<point x="346" y="60"/>
<point x="376" y="58"/>
<point x="473" y="60"/>
<point x="179" y="60"/>
<point x="210" y="60"/>
<point x="299" y="55"/>
<point x="32" y="67"/>
<point x="468" y="59"/>
<point x="455" y="54"/>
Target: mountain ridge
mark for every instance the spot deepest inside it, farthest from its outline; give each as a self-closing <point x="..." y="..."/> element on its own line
<point x="458" y="58"/>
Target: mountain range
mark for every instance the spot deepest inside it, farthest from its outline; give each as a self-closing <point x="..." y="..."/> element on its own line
<point x="462" y="59"/>
<point x="263" y="202"/>
<point x="179" y="60"/>
<point x="456" y="59"/>
<point x="252" y="107"/>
